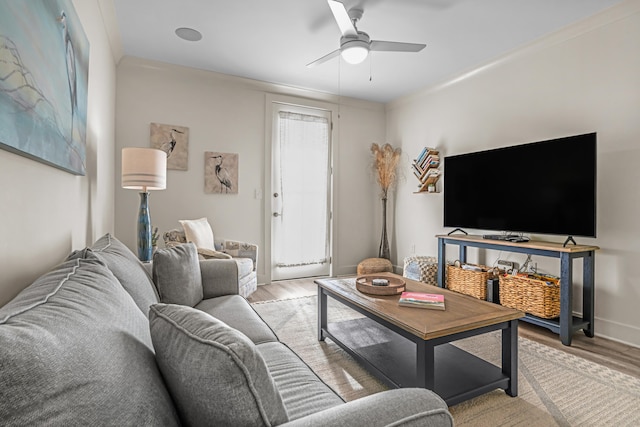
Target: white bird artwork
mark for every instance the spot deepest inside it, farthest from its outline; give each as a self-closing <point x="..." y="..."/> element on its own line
<point x="222" y="174"/>
<point x="70" y="59"/>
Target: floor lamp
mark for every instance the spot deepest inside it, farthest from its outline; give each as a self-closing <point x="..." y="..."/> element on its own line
<point x="144" y="169"/>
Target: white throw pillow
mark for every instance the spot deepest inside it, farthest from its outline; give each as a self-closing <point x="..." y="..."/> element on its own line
<point x="199" y="232"/>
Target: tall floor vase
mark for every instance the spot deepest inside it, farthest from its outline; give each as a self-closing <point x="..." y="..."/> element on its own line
<point x="145" y="250"/>
<point x="383" y="252"/>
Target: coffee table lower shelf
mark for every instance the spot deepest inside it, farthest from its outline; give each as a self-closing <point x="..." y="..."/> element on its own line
<point x="459" y="375"/>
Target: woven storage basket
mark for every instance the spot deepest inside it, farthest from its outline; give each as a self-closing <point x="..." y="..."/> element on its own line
<point x="531" y="295"/>
<point x="421" y="268"/>
<point x="469" y="282"/>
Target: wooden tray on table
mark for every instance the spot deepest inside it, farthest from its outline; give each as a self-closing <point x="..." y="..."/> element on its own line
<point x="395" y="287"/>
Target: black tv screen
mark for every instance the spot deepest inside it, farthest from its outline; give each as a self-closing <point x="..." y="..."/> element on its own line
<point x="546" y="187"/>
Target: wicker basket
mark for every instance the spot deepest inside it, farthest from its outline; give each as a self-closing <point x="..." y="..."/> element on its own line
<point x="421" y="268"/>
<point x="469" y="282"/>
<point x="531" y="295"/>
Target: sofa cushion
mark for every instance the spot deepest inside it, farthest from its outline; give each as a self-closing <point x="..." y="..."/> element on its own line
<point x="76" y="350"/>
<point x="214" y="373"/>
<point x="176" y="273"/>
<point x="302" y="392"/>
<point x="236" y="312"/>
<point x="128" y="269"/>
<point x="199" y="232"/>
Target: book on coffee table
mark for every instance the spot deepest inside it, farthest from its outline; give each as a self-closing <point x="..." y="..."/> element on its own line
<point x="422" y="300"/>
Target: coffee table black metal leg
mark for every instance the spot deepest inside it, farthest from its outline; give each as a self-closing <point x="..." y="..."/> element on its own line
<point x="425" y="364"/>
<point x="510" y="356"/>
<point x="322" y="313"/>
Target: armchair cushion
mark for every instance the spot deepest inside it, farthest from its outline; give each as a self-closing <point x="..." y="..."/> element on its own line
<point x="199" y="232"/>
<point x="214" y="373"/>
<point x="176" y="273"/>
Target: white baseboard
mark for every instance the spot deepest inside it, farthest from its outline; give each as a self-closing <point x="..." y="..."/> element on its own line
<point x="619" y="332"/>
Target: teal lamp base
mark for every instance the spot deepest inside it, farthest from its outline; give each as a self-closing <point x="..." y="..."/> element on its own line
<point x="145" y="251"/>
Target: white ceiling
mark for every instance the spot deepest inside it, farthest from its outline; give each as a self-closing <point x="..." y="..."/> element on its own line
<point x="273" y="40"/>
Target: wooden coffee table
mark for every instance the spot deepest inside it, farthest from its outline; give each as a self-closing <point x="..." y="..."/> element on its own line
<point x="410" y="347"/>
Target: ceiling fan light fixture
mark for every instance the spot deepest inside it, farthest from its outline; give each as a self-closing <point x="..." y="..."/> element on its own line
<point x="354" y="51"/>
<point x="355" y="45"/>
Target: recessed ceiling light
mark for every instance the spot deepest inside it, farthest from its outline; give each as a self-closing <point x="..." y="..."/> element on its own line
<point x="188" y="34"/>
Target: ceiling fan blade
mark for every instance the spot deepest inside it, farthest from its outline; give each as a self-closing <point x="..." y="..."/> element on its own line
<point x="342" y="18"/>
<point x="384" y="46"/>
<point x="324" y="58"/>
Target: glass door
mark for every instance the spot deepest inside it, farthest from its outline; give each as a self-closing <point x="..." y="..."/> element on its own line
<point x="301" y="183"/>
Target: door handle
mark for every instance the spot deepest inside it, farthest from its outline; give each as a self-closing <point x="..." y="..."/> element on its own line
<point x="276" y="214"/>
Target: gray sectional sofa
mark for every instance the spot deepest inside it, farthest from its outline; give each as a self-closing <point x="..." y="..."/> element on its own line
<point x="96" y="341"/>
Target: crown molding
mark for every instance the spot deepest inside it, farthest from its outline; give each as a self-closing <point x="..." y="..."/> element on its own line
<point x="609" y="16"/>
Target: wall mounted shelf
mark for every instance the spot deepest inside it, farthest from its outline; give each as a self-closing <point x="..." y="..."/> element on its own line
<point x="426" y="169"/>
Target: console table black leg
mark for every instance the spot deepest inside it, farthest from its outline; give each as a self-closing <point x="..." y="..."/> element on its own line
<point x="463" y="253"/>
<point x="566" y="298"/>
<point x="322" y="313"/>
<point x="425" y="365"/>
<point x="588" y="280"/>
<point x="441" y="261"/>
<point x="510" y="356"/>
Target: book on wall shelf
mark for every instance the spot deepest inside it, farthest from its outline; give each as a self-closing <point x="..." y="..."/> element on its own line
<point x="425" y="168"/>
<point x="422" y="300"/>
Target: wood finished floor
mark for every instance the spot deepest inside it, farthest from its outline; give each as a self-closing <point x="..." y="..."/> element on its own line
<point x="621" y="357"/>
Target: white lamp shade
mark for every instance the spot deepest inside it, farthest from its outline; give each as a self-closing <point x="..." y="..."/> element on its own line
<point x="144" y="169"/>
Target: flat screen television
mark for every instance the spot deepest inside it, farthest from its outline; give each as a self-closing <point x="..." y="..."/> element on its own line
<point x="546" y="187"/>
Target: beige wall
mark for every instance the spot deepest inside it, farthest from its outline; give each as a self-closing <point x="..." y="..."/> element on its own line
<point x="227" y="114"/>
<point x="585" y="78"/>
<point x="45" y="212"/>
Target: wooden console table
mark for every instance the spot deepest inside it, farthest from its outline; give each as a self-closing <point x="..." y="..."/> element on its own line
<point x="567" y="323"/>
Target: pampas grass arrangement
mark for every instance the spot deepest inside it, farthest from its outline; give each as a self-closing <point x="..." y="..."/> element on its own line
<point x="385" y="164"/>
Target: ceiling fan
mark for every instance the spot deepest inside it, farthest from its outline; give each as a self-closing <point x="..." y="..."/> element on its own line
<point x="355" y="45"/>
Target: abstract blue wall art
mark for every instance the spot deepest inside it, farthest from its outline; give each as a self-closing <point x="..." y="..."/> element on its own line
<point x="44" y="73"/>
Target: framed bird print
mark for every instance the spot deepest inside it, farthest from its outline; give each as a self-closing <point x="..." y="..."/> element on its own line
<point x="173" y="140"/>
<point x="220" y="173"/>
<point x="44" y="74"/>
